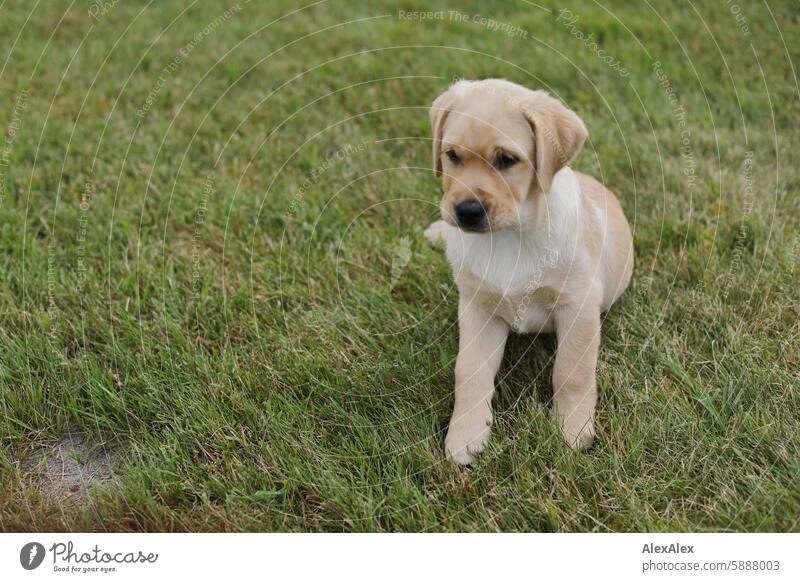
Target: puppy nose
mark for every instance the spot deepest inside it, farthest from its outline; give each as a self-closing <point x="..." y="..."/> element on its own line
<point x="470" y="214"/>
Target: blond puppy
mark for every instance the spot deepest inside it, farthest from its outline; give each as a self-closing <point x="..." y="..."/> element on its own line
<point x="534" y="246"/>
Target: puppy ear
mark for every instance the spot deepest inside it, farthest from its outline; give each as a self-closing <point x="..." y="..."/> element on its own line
<point x="440" y="109"/>
<point x="558" y="135"/>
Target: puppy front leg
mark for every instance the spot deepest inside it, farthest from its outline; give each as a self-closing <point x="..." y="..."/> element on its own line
<point x="574" y="374"/>
<point x="482" y="339"/>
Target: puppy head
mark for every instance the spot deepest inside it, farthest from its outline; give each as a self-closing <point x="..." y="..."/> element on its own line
<point x="496" y="145"/>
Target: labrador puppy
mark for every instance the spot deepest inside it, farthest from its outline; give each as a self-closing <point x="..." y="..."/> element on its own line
<point x="535" y="247"/>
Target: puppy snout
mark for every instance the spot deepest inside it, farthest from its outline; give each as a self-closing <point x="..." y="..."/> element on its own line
<point x="471" y="215"/>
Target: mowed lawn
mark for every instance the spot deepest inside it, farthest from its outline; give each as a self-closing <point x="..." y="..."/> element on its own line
<point x="212" y="268"/>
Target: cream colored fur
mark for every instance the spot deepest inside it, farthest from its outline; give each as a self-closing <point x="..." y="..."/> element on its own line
<point x="556" y="251"/>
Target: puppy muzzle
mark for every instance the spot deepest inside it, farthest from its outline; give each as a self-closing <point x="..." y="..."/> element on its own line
<point x="471" y="215"/>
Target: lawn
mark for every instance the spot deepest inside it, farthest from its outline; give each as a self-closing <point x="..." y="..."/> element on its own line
<point x="217" y="306"/>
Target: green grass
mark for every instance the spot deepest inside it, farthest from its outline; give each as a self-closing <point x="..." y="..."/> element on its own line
<point x="188" y="286"/>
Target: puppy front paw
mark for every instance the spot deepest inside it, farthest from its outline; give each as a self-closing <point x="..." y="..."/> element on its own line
<point x="577" y="429"/>
<point x="435" y="233"/>
<point x="468" y="435"/>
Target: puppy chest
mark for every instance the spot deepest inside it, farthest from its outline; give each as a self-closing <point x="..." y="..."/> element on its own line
<point x="528" y="312"/>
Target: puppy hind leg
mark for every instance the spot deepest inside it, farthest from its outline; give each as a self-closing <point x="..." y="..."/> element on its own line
<point x="435" y="233"/>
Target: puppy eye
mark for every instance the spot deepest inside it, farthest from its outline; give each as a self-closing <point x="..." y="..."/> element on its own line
<point x="503" y="161"/>
<point x="453" y="156"/>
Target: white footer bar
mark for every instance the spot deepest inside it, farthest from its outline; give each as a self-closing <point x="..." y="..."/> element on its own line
<point x="400" y="556"/>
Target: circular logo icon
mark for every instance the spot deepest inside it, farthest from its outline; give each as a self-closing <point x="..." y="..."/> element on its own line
<point x="31" y="555"/>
